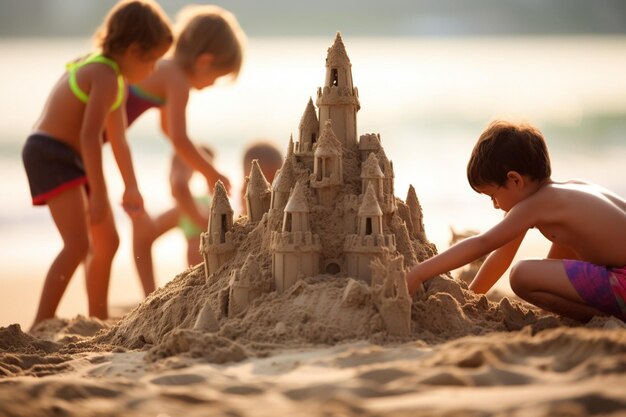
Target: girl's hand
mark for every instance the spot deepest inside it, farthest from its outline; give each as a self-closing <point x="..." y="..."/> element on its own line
<point x="132" y="202"/>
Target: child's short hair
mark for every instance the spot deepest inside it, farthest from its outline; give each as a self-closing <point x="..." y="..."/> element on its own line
<point x="505" y="147"/>
<point x="134" y="21"/>
<point x="207" y="29"/>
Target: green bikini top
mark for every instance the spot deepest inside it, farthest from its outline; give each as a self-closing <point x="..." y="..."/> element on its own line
<point x="73" y="67"/>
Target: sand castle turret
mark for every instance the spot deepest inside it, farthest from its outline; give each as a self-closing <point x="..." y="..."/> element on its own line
<point x="415" y="211"/>
<point x="308" y="133"/>
<point x="369" y="243"/>
<point x="338" y="100"/>
<point x="295" y="250"/>
<point x="216" y="244"/>
<point x="372" y="174"/>
<point x="246" y="284"/>
<point x="327" y="176"/>
<point x="368" y="143"/>
<point x="283" y="183"/>
<point x="258" y="193"/>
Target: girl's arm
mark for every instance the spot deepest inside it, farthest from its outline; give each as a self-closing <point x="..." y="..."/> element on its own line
<point x="521" y="218"/>
<point x="495" y="265"/>
<point x="116" y="134"/>
<point x="185" y="202"/>
<point x="102" y="93"/>
<point x="174" y="125"/>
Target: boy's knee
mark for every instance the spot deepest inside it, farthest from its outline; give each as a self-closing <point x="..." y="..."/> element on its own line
<point x="518" y="277"/>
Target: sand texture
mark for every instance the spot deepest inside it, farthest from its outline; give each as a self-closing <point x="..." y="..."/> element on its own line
<point x="475" y="367"/>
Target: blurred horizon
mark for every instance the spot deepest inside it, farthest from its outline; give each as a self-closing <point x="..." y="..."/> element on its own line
<point x="397" y="18"/>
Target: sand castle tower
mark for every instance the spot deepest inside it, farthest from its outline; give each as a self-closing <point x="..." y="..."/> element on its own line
<point x="283" y="182"/>
<point x="327" y="177"/>
<point x="245" y="285"/>
<point x="338" y="100"/>
<point x="372" y="174"/>
<point x="258" y="193"/>
<point x="216" y="244"/>
<point x="368" y="143"/>
<point x="308" y="133"/>
<point x="415" y="212"/>
<point x="296" y="249"/>
<point x="369" y="243"/>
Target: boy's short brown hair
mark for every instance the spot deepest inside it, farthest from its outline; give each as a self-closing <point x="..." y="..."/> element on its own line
<point x="134" y="21"/>
<point x="505" y="147"/>
<point x="207" y="29"/>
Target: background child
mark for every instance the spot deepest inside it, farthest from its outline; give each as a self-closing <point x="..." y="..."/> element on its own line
<point x="269" y="158"/>
<point x="190" y="214"/>
<point x="584" y="274"/>
<point x="209" y="45"/>
<point x="64" y="153"/>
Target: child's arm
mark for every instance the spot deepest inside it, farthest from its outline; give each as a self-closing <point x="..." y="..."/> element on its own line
<point x="521" y="217"/>
<point x="116" y="134"/>
<point x="495" y="265"/>
<point x="102" y="94"/>
<point x="185" y="201"/>
<point x="174" y="125"/>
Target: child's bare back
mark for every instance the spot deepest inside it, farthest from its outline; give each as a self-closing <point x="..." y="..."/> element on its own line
<point x="584" y="218"/>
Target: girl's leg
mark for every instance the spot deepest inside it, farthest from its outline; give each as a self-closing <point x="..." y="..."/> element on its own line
<point x="68" y="211"/>
<point x="193" y="251"/>
<point x="105" y="242"/>
<point x="145" y="231"/>
<point x="545" y="284"/>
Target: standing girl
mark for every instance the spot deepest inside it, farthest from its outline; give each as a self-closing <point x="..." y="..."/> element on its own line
<point x="63" y="155"/>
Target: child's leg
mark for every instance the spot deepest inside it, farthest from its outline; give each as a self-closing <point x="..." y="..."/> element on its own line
<point x="145" y="231"/>
<point x="193" y="250"/>
<point x="68" y="212"/>
<point x="105" y="242"/>
<point x="545" y="284"/>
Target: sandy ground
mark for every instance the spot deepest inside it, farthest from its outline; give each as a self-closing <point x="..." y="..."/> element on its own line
<point x="518" y="362"/>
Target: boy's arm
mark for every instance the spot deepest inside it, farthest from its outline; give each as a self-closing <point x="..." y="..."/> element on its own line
<point x="185" y="201"/>
<point x="174" y="125"/>
<point x="116" y="134"/>
<point x="101" y="97"/>
<point x="521" y="217"/>
<point x="495" y="265"/>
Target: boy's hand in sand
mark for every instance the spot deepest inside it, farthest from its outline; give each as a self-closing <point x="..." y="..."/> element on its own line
<point x="414" y="282"/>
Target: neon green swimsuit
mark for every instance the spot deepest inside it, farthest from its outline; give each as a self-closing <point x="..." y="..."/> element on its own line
<point x="73" y="67"/>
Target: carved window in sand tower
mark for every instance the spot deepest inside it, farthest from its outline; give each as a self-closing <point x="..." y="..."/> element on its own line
<point x="368" y="226"/>
<point x="223" y="229"/>
<point x="313" y="138"/>
<point x="324" y="168"/>
<point x="334" y="77"/>
<point x="288" y="222"/>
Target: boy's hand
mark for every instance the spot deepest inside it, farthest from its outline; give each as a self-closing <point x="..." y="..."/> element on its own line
<point x="132" y="202"/>
<point x="413" y="282"/>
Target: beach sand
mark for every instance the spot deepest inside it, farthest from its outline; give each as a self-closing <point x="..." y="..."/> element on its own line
<point x="466" y="355"/>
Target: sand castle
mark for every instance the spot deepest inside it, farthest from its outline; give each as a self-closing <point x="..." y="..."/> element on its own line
<point x="331" y="211"/>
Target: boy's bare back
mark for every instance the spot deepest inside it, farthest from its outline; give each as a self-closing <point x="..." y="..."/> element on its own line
<point x="582" y="217"/>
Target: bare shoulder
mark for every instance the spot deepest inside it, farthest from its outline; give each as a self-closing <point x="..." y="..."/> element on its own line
<point x="585" y="192"/>
<point x="172" y="77"/>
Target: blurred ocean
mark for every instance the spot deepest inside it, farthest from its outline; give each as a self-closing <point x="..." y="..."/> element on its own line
<point x="428" y="98"/>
